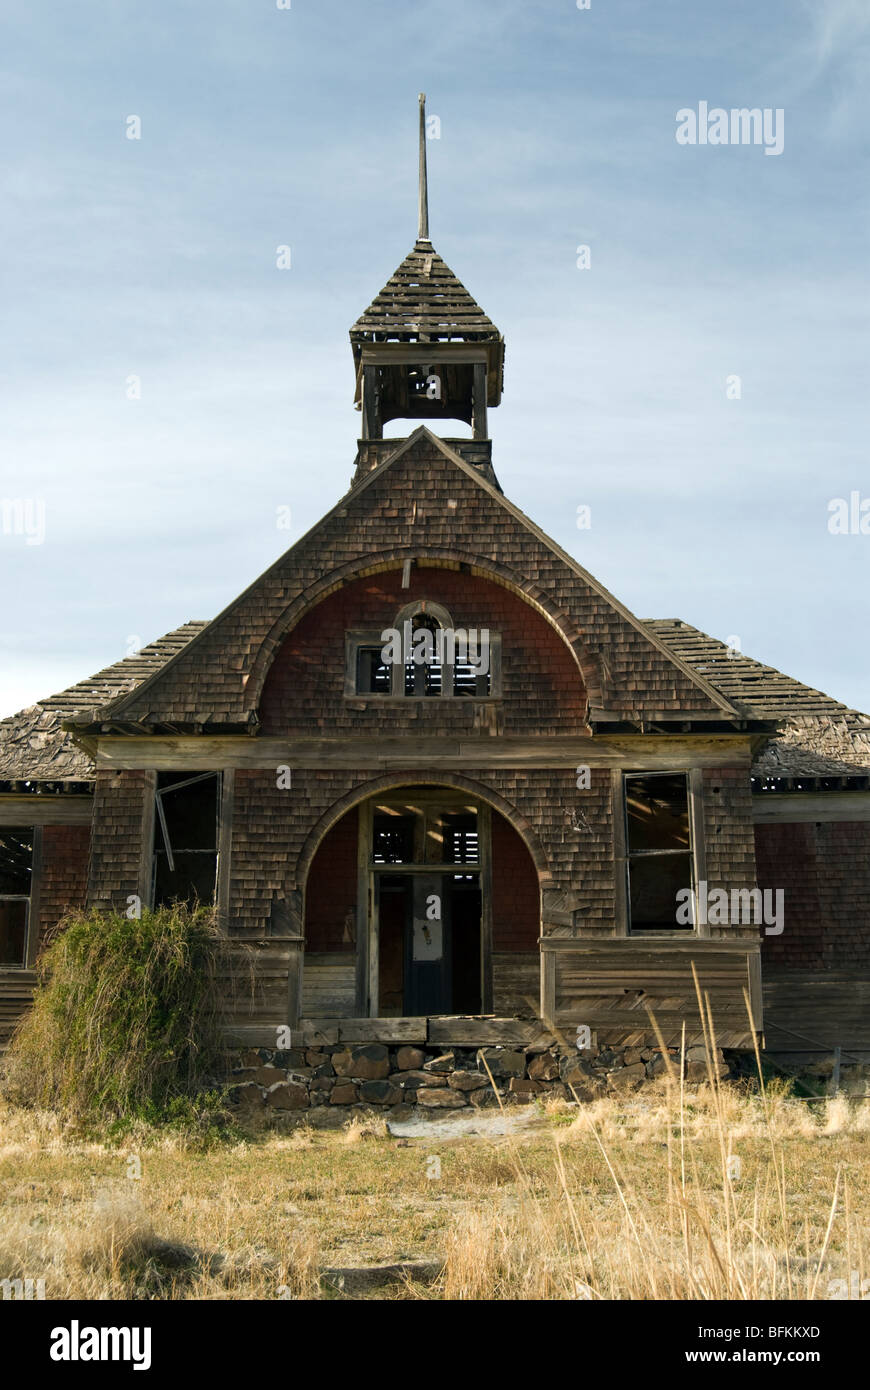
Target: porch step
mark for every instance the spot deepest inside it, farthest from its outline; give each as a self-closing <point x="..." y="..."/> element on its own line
<point x="459" y="1031"/>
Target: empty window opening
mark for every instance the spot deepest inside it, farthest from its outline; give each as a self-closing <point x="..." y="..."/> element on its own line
<point x="660" y="860"/>
<point x="445" y="662"/>
<point x="185" y="838"/>
<point x="372" y="673"/>
<point x="393" y="837"/>
<point x="461" y="839"/>
<point x="469" y="680"/>
<point x="16" y="876"/>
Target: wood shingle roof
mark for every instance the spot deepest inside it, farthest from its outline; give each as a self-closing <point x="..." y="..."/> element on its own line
<point x="33" y="744"/>
<point x="424" y="300"/>
<point x="820" y="738"/>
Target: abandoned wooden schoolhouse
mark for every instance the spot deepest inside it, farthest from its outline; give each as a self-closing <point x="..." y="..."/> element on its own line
<point x="447" y="790"/>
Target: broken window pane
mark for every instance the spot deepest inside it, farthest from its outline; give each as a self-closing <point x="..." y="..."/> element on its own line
<point x="659" y="849"/>
<point x="655" y="881"/>
<point x="393" y="838"/>
<point x="185" y="838"/>
<point x="16" y="872"/>
<point x="658" y="812"/>
<point x="372" y="675"/>
<point x="16" y="861"/>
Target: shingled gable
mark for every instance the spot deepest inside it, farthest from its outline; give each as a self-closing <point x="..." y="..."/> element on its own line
<point x="422" y="501"/>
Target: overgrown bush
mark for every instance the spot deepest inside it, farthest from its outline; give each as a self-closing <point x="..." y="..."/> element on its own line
<point x="126" y="1020"/>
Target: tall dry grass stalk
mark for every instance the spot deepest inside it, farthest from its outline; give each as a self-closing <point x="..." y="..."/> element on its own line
<point x="742" y="1237"/>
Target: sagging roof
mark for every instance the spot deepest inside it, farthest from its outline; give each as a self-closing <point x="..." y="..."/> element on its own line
<point x="820" y="738"/>
<point x="424" y="299"/>
<point x="34" y="746"/>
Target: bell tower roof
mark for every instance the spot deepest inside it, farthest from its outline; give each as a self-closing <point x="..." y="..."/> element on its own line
<point x="424" y="302"/>
<point x="424" y="346"/>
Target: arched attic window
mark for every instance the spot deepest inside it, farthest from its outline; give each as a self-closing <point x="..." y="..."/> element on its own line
<point x="424" y="671"/>
<point x="423" y="656"/>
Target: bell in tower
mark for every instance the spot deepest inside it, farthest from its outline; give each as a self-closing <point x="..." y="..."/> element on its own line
<point x="424" y="350"/>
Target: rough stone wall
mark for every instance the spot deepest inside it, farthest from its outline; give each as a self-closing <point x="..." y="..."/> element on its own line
<point x="63" y="879"/>
<point x="824" y="869"/>
<point x="324" y="1083"/>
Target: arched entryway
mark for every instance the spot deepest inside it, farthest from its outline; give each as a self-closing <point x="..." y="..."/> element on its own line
<point x="421" y="900"/>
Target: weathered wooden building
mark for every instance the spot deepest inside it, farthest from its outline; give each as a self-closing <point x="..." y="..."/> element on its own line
<point x="455" y="849"/>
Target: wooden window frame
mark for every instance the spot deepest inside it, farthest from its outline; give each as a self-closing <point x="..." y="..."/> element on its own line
<point x="358" y="638"/>
<point x="31" y="916"/>
<point x="155" y="821"/>
<point x="622" y="858"/>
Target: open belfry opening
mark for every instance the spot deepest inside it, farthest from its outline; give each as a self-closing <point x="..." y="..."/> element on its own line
<point x="441" y="786"/>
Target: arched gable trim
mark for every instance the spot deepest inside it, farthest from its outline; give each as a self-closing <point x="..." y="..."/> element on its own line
<point x="590" y="665"/>
<point x="449" y="780"/>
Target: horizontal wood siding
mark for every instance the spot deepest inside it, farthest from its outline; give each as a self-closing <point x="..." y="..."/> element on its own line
<point x="16" y="995"/>
<point x="613" y="989"/>
<point x="516" y="982"/>
<point x="255" y="986"/>
<point x="328" y="985"/>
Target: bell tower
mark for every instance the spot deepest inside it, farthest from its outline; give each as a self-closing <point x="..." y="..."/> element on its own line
<point x="424" y="350"/>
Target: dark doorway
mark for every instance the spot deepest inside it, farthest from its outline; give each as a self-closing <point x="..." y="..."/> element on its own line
<point x="394" y="906"/>
<point x="462" y="894"/>
<point x="429" y="945"/>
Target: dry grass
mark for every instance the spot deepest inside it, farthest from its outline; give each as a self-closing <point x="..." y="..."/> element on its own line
<point x="621" y="1199"/>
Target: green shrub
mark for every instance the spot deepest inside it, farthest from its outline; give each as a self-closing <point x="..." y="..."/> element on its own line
<point x="126" y="1019"/>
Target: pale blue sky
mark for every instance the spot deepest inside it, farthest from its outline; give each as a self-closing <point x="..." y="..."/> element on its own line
<point x="263" y="127"/>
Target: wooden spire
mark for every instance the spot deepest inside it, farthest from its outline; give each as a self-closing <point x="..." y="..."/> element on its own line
<point x="423" y="205"/>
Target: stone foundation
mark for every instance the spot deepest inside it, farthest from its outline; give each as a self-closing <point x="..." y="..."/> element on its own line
<point x="325" y="1080"/>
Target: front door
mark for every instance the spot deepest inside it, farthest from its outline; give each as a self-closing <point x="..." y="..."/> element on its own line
<point x="429" y="944"/>
<point x="426" y="952"/>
